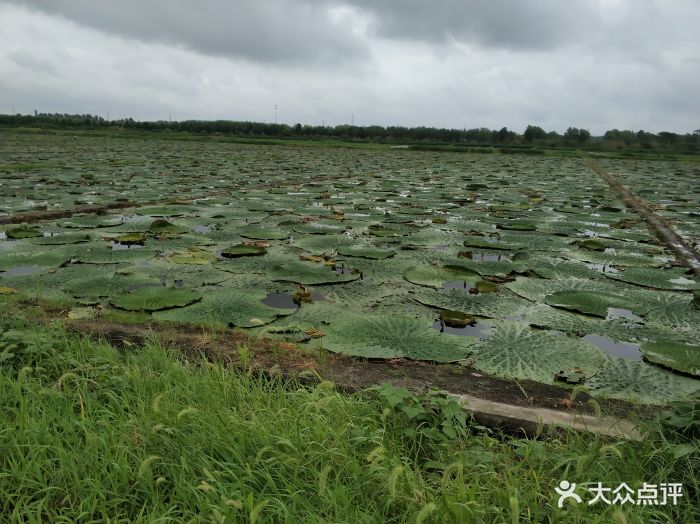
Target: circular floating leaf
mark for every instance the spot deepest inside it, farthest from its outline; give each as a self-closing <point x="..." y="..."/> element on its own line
<point x="516" y="351"/>
<point x="435" y="276"/>
<point x="17" y="233"/>
<point x="264" y="233"/>
<point x="309" y="273"/>
<point x="89" y="222"/>
<point x="155" y="298"/>
<point x="240" y="308"/>
<point x="131" y="238"/>
<point x="62" y="238"/>
<point x="593" y="302"/>
<point x="389" y="336"/>
<point x="638" y="381"/>
<point x="674" y="355"/>
<point x="365" y="251"/>
<point x="163" y="226"/>
<point x="192" y="256"/>
<point x="164" y="211"/>
<point x="674" y="278"/>
<point x="456" y="318"/>
<point x="243" y="250"/>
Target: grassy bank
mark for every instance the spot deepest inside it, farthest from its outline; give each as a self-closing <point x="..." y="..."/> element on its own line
<point x="91" y="433"/>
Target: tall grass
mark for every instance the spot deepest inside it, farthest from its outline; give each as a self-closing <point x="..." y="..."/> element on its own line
<point x="92" y="434"/>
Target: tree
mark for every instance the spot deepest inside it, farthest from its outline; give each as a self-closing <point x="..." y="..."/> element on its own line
<point x="533" y="133"/>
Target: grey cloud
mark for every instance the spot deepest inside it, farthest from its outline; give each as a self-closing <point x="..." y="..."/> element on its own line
<point x="513" y="24"/>
<point x="280" y="31"/>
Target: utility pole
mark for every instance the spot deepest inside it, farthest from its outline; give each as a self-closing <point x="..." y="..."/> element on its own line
<point x="275" y="114"/>
<point x="352" y="120"/>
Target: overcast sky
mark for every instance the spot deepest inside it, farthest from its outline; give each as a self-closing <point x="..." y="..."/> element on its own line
<point x="595" y="64"/>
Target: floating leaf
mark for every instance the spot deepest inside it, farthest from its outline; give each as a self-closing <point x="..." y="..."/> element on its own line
<point x="674" y="355"/>
<point x="389" y="336"/>
<point x="243" y="250"/>
<point x="516" y="351"/>
<point x="155" y="298"/>
<point x="240" y="308"/>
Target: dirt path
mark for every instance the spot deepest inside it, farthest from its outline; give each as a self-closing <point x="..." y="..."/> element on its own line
<point x="661" y="227"/>
<point x="515" y="406"/>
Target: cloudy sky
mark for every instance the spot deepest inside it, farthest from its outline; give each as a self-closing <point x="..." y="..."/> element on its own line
<point x="596" y="64"/>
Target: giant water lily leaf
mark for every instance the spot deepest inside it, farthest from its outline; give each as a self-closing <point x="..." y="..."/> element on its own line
<point x="594" y="303"/>
<point x="243" y="250"/>
<point x="394" y="336"/>
<point x="263" y="233"/>
<point x="163" y="226"/>
<point x="674" y="355"/>
<point x="164" y="211"/>
<point x="101" y="254"/>
<point x="230" y="308"/>
<point x="674" y="278"/>
<point x="194" y="256"/>
<point x="15" y="233"/>
<point x="536" y="289"/>
<point x="308" y="273"/>
<point x="437" y="276"/>
<point x="154" y="298"/>
<point x="638" y="381"/>
<point x="365" y="251"/>
<point x="89" y="222"/>
<point x="616" y="259"/>
<point x="61" y="238"/>
<point x="490" y="243"/>
<point x="45" y="257"/>
<point x="492" y="305"/>
<point x="517" y="351"/>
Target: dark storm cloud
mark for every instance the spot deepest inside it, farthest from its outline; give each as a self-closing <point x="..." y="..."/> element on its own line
<point x="279" y="31"/>
<point x="516" y="24"/>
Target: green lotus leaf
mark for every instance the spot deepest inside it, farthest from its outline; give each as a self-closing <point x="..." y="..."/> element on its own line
<point x="394" y="336"/>
<point x="36" y="257"/>
<point x="491" y="305"/>
<point x="594" y="303"/>
<point x="308" y="273"/>
<point x="193" y="256"/>
<point x="490" y="243"/>
<point x="101" y="254"/>
<point x="315" y="228"/>
<point x="263" y="233"/>
<point x="641" y="382"/>
<point x="61" y="238"/>
<point x="89" y="222"/>
<point x="163" y="226"/>
<point x="516" y="351"/>
<point x="674" y="355"/>
<point x="517" y="225"/>
<point x="154" y="298"/>
<point x="365" y="251"/>
<point x="591" y="244"/>
<point x="437" y="276"/>
<point x="17" y="233"/>
<point x="227" y="308"/>
<point x="674" y="278"/>
<point x="243" y="250"/>
<point x="131" y="238"/>
<point x="456" y="318"/>
<point x="164" y="211"/>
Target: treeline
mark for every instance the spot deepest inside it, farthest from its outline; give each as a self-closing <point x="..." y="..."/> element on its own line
<point x="531" y="137"/>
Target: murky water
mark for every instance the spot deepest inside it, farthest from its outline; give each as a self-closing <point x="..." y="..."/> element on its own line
<point x="21" y="271"/>
<point x="614" y="348"/>
<point x="603" y="268"/>
<point x="116" y="246"/>
<point x="286" y="300"/>
<point x="614" y="313"/>
<point x="461" y="285"/>
<point x="478" y="330"/>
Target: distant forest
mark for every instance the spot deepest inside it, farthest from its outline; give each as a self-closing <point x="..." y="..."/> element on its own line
<point x="531" y="137"/>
